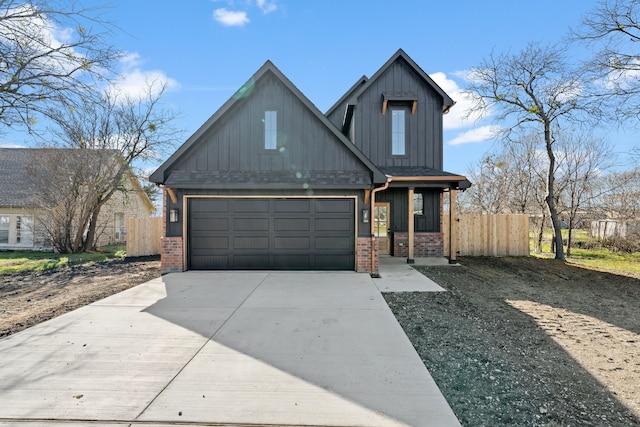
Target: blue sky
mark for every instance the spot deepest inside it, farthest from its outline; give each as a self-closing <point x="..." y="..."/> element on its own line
<point x="207" y="49"/>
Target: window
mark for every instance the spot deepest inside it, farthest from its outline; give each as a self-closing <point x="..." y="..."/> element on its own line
<point x="4" y="229"/>
<point x="398" y="132"/>
<point x="418" y="204"/>
<point x="24" y="230"/>
<point x="120" y="230"/>
<point x="16" y="230"/>
<point x="270" y="130"/>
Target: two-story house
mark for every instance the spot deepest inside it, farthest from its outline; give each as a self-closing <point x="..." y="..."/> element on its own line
<point x="270" y="182"/>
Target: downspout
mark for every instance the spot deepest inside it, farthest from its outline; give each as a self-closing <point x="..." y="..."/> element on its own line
<point x="373" y="221"/>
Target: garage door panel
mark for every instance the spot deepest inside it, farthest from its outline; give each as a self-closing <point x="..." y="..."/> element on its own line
<point x="334" y="243"/>
<point x="251" y="243"/>
<point x="207" y="243"/>
<point x="292" y="205"/>
<point x="251" y="206"/>
<point x="271" y="233"/>
<point x="292" y="243"/>
<point x="331" y="206"/>
<point x="208" y="205"/>
<point x="251" y="224"/>
<point x="334" y="262"/>
<point x="209" y="224"/>
<point x="292" y="262"/>
<point x="217" y="262"/>
<point x="250" y="262"/>
<point x="333" y="224"/>
<point x="291" y="224"/>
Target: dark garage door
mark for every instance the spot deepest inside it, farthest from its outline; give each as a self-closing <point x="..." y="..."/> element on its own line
<point x="271" y="234"/>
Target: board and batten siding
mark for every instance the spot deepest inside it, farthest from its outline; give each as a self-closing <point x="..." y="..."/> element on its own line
<point x="424" y="129"/>
<point x="236" y="142"/>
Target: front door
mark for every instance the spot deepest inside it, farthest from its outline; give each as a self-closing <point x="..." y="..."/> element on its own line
<point x="382" y="226"/>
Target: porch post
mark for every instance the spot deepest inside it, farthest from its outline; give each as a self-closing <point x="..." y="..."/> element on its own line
<point x="410" y="233"/>
<point x="453" y="237"/>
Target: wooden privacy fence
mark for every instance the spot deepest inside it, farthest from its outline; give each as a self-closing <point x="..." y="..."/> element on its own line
<point x="490" y="235"/>
<point x="143" y="236"/>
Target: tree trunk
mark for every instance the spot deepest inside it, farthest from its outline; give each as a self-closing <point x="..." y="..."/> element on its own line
<point x="90" y="243"/>
<point x="540" y="234"/>
<point x="550" y="198"/>
<point x="572" y="218"/>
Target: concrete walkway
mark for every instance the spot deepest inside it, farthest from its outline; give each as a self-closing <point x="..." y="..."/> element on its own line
<point x="398" y="276"/>
<point x="223" y="348"/>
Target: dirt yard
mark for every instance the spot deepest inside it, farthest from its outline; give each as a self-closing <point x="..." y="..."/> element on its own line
<point x="28" y="299"/>
<point x="524" y="341"/>
<point x="514" y="341"/>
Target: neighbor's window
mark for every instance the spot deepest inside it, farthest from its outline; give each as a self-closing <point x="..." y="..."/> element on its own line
<point x="26" y="230"/>
<point x="398" y="132"/>
<point x="120" y="230"/>
<point x="4" y="229"/>
<point x="418" y="204"/>
<point x="270" y="130"/>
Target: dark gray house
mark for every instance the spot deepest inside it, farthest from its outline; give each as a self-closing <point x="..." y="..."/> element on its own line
<point x="269" y="182"/>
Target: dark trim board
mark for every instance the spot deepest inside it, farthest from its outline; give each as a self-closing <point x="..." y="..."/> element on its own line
<point x="270" y="233"/>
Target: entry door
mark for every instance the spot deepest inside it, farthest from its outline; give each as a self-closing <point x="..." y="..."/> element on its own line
<point x="382" y="226"/>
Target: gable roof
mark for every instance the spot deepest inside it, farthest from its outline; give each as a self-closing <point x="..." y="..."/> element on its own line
<point x="18" y="189"/>
<point x="347" y="95"/>
<point x="160" y="175"/>
<point x="400" y="54"/>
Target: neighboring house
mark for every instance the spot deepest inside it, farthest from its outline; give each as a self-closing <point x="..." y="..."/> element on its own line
<point x="23" y="210"/>
<point x="269" y="182"/>
<point x="612" y="228"/>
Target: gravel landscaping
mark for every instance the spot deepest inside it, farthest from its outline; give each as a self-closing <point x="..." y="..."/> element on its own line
<point x="529" y="342"/>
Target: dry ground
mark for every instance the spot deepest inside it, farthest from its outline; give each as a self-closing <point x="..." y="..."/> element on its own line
<point x="525" y="341"/>
<point x="514" y="341"/>
<point x="30" y="298"/>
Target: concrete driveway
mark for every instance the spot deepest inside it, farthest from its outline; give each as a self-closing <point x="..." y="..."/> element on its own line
<point x="223" y="348"/>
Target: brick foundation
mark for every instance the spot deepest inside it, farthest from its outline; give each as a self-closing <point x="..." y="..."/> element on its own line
<point x="171" y="257"/>
<point x="363" y="256"/>
<point x="425" y="245"/>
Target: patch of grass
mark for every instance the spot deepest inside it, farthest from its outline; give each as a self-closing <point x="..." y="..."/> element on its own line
<point x="593" y="256"/>
<point x="21" y="261"/>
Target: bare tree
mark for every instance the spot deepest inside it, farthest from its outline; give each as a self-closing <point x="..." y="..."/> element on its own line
<point x="612" y="30"/>
<point x="50" y="52"/>
<point x="622" y="198"/>
<point x="112" y="136"/>
<point x="536" y="88"/>
<point x="67" y="182"/>
<point x="489" y="177"/>
<point x="585" y="160"/>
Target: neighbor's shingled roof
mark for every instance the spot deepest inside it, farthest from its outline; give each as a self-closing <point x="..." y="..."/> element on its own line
<point x="17" y="186"/>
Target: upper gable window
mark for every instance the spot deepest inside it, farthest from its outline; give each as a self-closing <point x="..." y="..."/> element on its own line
<point x="398" y="139"/>
<point x="270" y="130"/>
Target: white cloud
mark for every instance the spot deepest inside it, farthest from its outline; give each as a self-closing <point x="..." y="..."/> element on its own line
<point x="230" y="18"/>
<point x="267" y="6"/>
<point x="457" y="118"/>
<point x="48" y="46"/>
<point x="10" y="145"/>
<point x="480" y="134"/>
<point x="135" y="83"/>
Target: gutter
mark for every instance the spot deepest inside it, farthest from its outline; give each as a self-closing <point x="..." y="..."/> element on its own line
<point x="373" y="222"/>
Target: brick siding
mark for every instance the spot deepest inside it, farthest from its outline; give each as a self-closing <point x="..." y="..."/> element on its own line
<point x="171" y="258"/>
<point x="363" y="256"/>
<point x="425" y="245"/>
